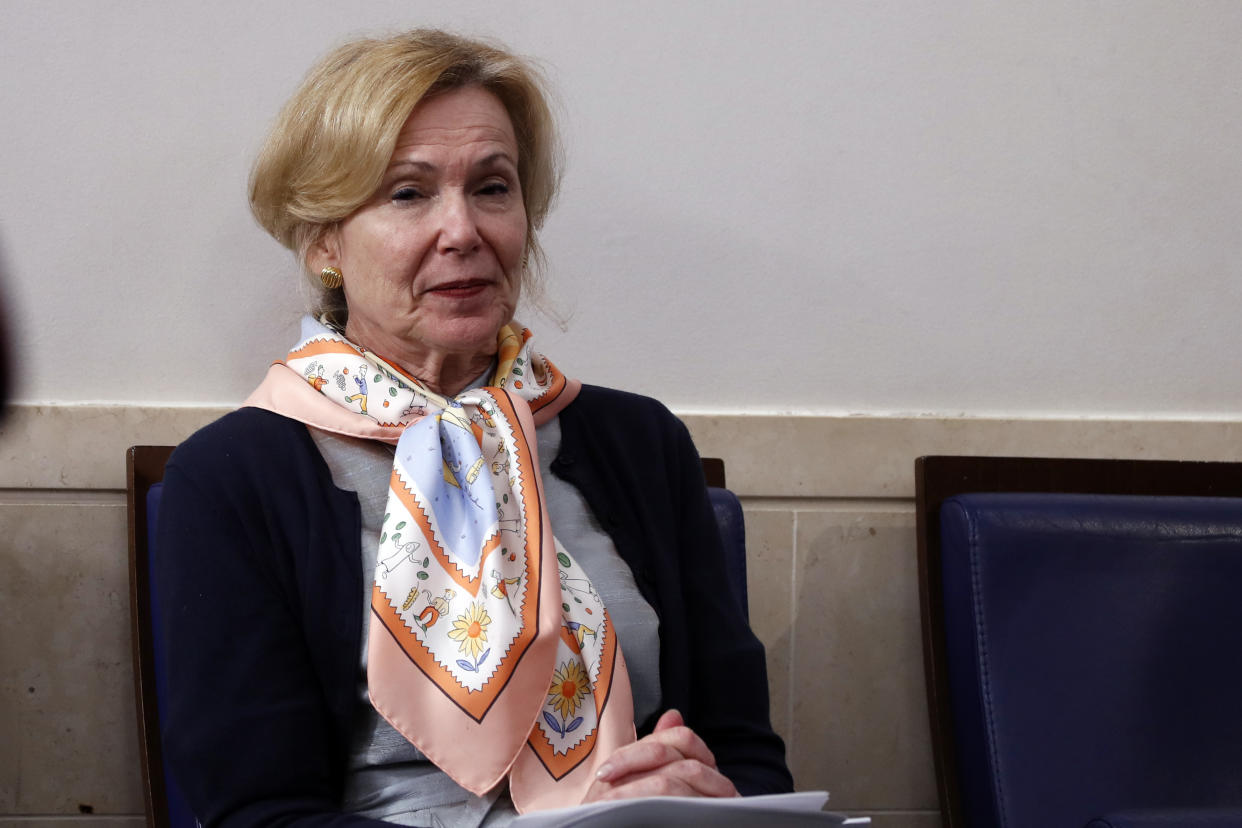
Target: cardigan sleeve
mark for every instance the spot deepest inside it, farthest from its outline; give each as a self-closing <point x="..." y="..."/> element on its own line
<point x="247" y="729"/>
<point x="641" y="475"/>
<point x="728" y="675"/>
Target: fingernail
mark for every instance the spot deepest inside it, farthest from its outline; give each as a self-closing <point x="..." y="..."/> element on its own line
<point x="605" y="770"/>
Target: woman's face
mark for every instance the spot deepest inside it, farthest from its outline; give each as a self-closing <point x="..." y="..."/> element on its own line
<point x="432" y="263"/>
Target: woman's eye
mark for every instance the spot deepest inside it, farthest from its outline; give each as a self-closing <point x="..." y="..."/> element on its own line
<point x="493" y="188"/>
<point x="406" y="194"/>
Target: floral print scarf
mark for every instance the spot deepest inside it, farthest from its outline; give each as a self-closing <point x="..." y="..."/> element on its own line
<point x="489" y="648"/>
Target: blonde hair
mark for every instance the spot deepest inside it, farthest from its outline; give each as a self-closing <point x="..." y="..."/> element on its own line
<point x="331" y="143"/>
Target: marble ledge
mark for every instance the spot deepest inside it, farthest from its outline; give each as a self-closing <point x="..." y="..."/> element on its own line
<point x="83" y="446"/>
<point x="793" y="456"/>
<point x="873" y="457"/>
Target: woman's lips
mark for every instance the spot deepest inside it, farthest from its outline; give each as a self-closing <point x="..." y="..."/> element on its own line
<point x="463" y="289"/>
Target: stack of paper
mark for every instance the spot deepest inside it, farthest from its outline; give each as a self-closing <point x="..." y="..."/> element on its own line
<point x="778" y="810"/>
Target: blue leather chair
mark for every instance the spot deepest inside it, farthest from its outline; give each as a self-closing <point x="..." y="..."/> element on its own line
<point x="732" y="527"/>
<point x="166" y="806"/>
<point x="1090" y="649"/>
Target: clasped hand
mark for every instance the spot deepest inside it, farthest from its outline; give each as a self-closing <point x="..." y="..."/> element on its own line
<point x="671" y="761"/>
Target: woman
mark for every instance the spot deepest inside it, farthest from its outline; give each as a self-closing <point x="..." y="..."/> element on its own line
<point x="470" y="623"/>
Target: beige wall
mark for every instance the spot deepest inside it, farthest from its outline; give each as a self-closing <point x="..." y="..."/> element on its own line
<point x="859" y="205"/>
<point x="834" y="596"/>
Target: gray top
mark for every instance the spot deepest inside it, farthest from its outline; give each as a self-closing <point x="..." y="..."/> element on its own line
<point x="388" y="778"/>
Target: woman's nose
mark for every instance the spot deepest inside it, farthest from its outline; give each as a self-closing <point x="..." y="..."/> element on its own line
<point x="459" y="233"/>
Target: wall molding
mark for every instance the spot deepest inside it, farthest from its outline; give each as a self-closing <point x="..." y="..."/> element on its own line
<point x="785" y="456"/>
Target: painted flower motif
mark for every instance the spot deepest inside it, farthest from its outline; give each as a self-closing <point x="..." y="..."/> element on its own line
<point x="569" y="686"/>
<point x="470" y="630"/>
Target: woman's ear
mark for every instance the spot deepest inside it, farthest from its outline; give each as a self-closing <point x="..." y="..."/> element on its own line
<point x="324" y="251"/>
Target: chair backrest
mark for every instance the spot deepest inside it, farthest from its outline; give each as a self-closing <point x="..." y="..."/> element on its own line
<point x="732" y="526"/>
<point x="166" y="808"/>
<point x="1073" y="645"/>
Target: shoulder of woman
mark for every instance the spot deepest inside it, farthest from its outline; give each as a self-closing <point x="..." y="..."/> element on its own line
<point x="247" y="437"/>
<point x="627" y="420"/>
<point x="598" y="401"/>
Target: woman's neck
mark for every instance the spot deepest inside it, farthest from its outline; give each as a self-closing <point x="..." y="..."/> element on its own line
<point x="446" y="373"/>
<point x="450" y="376"/>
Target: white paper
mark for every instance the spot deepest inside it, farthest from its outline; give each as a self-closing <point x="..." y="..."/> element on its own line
<point x="793" y="809"/>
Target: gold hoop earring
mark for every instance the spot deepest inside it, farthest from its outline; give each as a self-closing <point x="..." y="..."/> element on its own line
<point x="331" y="278"/>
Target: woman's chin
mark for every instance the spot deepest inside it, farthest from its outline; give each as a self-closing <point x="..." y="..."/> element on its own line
<point x="466" y="334"/>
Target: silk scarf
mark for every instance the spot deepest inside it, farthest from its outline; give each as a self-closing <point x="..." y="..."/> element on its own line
<point x="489" y="648"/>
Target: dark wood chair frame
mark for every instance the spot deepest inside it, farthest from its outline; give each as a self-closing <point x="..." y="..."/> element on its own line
<point x="937" y="478"/>
<point x="144" y="467"/>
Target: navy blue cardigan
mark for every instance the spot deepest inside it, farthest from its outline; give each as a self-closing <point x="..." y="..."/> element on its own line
<point x="260" y="584"/>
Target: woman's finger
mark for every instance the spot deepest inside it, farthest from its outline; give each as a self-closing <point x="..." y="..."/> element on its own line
<point x="669" y="719"/>
<point x="645" y="755"/>
<point x="686" y="777"/>
<point x="672" y="743"/>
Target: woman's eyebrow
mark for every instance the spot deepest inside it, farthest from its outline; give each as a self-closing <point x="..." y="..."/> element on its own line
<point x="415" y="166"/>
<point x="494" y="159"/>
